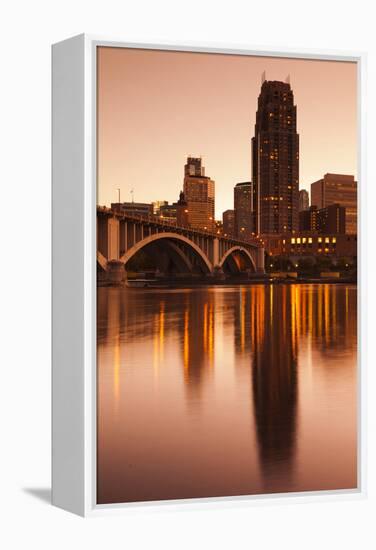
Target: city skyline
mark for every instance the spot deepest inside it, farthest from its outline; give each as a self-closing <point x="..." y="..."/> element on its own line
<point x="182" y="123"/>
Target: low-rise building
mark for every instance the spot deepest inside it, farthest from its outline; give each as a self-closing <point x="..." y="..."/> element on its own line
<point x="133" y="208"/>
<point x="312" y="244"/>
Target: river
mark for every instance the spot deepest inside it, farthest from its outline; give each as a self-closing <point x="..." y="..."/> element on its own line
<point x="219" y="391"/>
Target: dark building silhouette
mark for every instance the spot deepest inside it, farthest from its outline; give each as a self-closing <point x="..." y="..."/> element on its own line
<point x="308" y="219"/>
<point x="275" y="161"/>
<point x="243" y="209"/>
<point x="303" y="200"/>
<point x="182" y="211"/>
<point x="337" y="189"/>
<point x="331" y="219"/>
<point x="228" y="218"/>
<point x="275" y="340"/>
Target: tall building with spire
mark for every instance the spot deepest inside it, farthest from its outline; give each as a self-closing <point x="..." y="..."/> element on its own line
<point x="199" y="195"/>
<point x="275" y="161"/>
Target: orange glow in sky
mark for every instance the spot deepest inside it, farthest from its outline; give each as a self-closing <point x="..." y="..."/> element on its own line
<point x="156" y="107"/>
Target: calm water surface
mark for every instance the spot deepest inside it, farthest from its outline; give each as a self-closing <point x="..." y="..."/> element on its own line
<point x="226" y="391"/>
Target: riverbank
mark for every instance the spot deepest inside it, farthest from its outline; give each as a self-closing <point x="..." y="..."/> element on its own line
<point x="192" y="282"/>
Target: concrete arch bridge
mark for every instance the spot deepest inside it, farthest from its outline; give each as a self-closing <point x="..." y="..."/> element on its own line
<point x="175" y="250"/>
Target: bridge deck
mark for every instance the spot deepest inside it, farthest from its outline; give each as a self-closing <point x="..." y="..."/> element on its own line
<point x="157" y="221"/>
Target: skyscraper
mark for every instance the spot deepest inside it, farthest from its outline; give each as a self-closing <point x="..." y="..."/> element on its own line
<point x="199" y="195"/>
<point x="228" y="219"/>
<point x="275" y="161"/>
<point x="303" y="200"/>
<point x="243" y="209"/>
<point x="337" y="189"/>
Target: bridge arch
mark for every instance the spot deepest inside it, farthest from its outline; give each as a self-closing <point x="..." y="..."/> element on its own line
<point x="240" y="249"/>
<point x="171" y="237"/>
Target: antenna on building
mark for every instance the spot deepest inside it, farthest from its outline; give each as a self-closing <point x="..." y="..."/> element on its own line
<point x="118" y="195"/>
<point x="263" y="77"/>
<point x="132" y="195"/>
<point x="288" y="79"/>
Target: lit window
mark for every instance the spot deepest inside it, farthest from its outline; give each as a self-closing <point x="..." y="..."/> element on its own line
<point x="298" y="240"/>
<point x="319" y="240"/>
<point x="284" y="241"/>
<point x="304" y="240"/>
<point x="310" y="240"/>
<point x="334" y="240"/>
<point x="327" y="239"/>
<point x="293" y="240"/>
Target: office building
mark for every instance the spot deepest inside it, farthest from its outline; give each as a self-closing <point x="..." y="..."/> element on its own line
<point x="337" y="189"/>
<point x="157" y="205"/>
<point x="331" y="219"/>
<point x="133" y="208"/>
<point x="275" y="161"/>
<point x="243" y="209"/>
<point x="308" y="219"/>
<point x="199" y="195"/>
<point x="228" y="219"/>
<point x="303" y="200"/>
<point x="312" y="244"/>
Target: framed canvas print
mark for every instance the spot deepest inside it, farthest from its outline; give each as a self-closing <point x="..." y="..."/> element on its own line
<point x="207" y="261"/>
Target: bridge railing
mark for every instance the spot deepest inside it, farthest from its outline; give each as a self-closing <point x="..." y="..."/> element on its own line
<point x="163" y="222"/>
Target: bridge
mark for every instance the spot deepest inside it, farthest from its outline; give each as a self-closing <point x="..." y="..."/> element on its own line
<point x="174" y="250"/>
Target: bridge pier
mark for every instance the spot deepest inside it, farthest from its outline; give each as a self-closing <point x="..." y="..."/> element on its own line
<point x="215" y="261"/>
<point x="260" y="263"/>
<point x="116" y="272"/>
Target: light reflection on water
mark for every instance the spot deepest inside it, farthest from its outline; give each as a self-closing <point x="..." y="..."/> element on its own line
<point x="225" y="391"/>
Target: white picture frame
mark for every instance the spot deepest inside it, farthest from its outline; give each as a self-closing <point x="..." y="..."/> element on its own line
<point x="74" y="276"/>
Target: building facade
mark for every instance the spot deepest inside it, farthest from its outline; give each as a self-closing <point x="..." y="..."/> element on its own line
<point x="133" y="208"/>
<point x="243" y="209"/>
<point x="182" y="211"/>
<point x="331" y="219"/>
<point x="337" y="189"/>
<point x="308" y="219"/>
<point x="228" y="219"/>
<point x="157" y="205"/>
<point x="275" y="161"/>
<point x="199" y="193"/>
<point x="168" y="212"/>
<point x="303" y="200"/>
<point x="313" y="244"/>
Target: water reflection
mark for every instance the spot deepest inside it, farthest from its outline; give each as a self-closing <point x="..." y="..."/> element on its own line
<point x="225" y="391"/>
<point x="274" y="376"/>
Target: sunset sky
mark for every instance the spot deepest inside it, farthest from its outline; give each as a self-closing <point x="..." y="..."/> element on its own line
<point x="157" y="107"/>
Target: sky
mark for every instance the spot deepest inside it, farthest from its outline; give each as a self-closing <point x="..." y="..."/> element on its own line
<point x="157" y="107"/>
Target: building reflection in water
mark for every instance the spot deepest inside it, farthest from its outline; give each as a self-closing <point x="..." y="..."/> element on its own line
<point x="229" y="390"/>
<point x="274" y="376"/>
<point x="196" y="328"/>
